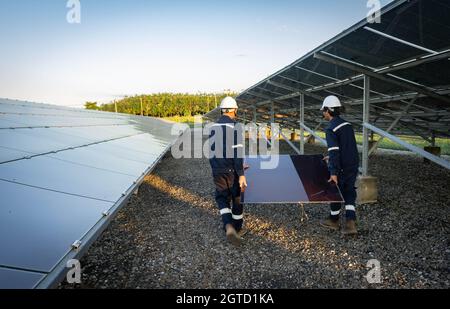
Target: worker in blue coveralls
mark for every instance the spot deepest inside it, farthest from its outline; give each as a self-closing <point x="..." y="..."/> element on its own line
<point x="343" y="164"/>
<point x="227" y="165"/>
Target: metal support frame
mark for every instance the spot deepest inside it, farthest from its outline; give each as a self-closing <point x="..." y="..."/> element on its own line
<point x="269" y="94"/>
<point x="366" y="119"/>
<point x="293" y="123"/>
<point x="398" y="118"/>
<point x="387" y="69"/>
<point x="313" y="133"/>
<point x="390" y="78"/>
<point x="398" y="97"/>
<point x="414" y="149"/>
<point x="384" y="70"/>
<point x="386" y="9"/>
<point x="400" y="40"/>
<point x="272" y="113"/>
<point x="412" y="126"/>
<point x="390" y="115"/>
<point x="264" y="136"/>
<point x="299" y="91"/>
<point x="267" y="99"/>
<point x="290" y="143"/>
<point x="384" y="97"/>
<point x="392" y="126"/>
<point x="407" y="124"/>
<point x="279" y="99"/>
<point x="309" y="85"/>
<point x="302" y="122"/>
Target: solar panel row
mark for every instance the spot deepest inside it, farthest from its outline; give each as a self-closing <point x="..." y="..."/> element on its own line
<point x="62" y="172"/>
<point x="407" y="57"/>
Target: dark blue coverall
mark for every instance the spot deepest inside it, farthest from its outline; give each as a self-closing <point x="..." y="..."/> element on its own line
<point x="226" y="171"/>
<point x="344" y="163"/>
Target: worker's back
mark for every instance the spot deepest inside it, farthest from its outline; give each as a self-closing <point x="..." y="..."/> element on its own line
<point x="341" y="137"/>
<point x="227" y="147"/>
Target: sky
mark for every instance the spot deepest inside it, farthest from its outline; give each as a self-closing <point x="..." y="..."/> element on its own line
<point x="128" y="47"/>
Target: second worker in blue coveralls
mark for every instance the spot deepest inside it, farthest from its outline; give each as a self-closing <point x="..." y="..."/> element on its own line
<point x="227" y="165"/>
<point x="343" y="163"/>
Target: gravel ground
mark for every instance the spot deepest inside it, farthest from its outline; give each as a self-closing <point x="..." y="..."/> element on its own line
<point x="169" y="236"/>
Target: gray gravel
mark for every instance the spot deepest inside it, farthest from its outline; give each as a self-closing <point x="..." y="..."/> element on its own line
<point x="169" y="236"/>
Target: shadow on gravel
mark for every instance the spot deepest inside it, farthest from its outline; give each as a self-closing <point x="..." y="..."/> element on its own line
<point x="170" y="235"/>
<point x="282" y="238"/>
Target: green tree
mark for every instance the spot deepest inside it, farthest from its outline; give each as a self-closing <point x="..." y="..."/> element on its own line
<point x="92" y="106"/>
<point x="164" y="104"/>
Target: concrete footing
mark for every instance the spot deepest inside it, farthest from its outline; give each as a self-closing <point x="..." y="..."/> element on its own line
<point x="367" y="188"/>
<point x="434" y="151"/>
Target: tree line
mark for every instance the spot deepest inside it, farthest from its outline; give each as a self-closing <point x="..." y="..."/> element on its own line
<point x="163" y="104"/>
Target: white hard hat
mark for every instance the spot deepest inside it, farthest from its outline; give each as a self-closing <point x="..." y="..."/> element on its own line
<point x="331" y="102"/>
<point x="229" y="103"/>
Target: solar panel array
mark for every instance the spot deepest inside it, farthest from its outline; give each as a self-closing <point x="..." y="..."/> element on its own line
<point x="63" y="174"/>
<point x="407" y="55"/>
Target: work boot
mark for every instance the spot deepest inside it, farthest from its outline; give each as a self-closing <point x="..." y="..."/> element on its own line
<point x="242" y="232"/>
<point x="331" y="224"/>
<point x="350" y="228"/>
<point x="232" y="236"/>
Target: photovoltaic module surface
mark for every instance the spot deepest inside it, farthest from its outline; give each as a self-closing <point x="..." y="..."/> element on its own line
<point x="64" y="173"/>
<point x="292" y="179"/>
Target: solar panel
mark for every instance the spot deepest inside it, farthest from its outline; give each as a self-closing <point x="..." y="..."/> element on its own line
<point x="10" y="120"/>
<point x="38" y="227"/>
<point x="18" y="279"/>
<point x="43" y="140"/>
<point x="120" y="150"/>
<point x="77" y="179"/>
<point x="295" y="179"/>
<point x="91" y="157"/>
<point x="63" y="174"/>
<point x="396" y="49"/>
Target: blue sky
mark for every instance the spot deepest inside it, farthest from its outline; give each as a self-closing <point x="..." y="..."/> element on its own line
<point x="145" y="46"/>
